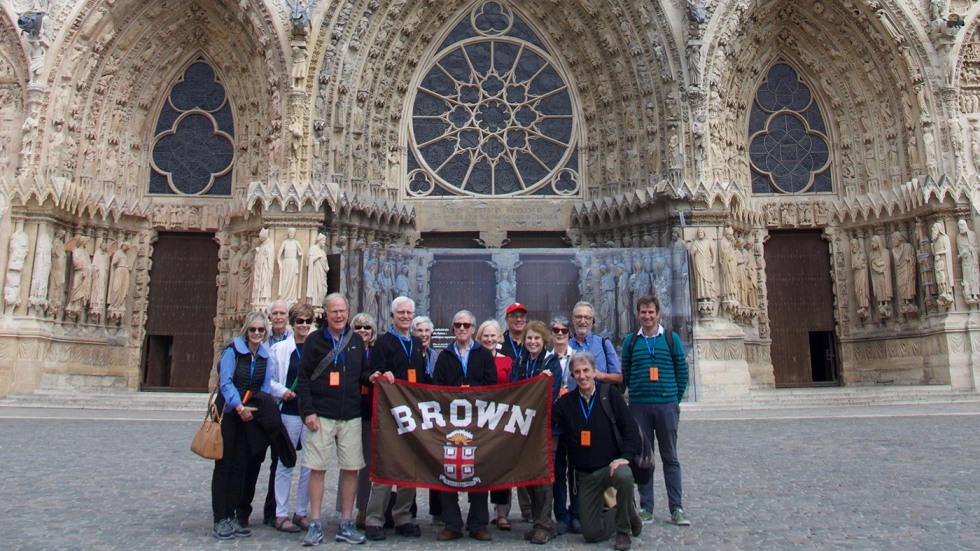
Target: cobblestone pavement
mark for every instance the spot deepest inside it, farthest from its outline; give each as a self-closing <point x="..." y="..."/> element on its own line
<point x="894" y="477"/>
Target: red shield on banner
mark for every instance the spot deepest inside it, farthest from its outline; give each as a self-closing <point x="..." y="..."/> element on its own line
<point x="459" y="460"/>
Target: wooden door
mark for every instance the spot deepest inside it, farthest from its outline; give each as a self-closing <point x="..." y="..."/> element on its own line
<point x="461" y="283"/>
<point x="179" y="350"/>
<point x="801" y="315"/>
<point x="547" y="285"/>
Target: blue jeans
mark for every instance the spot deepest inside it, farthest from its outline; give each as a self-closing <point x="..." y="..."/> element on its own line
<point x="659" y="424"/>
<point x="563" y="478"/>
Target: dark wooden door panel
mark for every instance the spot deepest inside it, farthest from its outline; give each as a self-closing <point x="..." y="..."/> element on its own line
<point x="461" y="283"/>
<point x="800" y="301"/>
<point x="182" y="306"/>
<point x="548" y="286"/>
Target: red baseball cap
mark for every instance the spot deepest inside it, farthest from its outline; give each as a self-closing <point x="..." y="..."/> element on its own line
<point x="515" y="307"/>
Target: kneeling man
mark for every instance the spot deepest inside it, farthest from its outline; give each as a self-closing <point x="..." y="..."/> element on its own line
<point x="598" y="460"/>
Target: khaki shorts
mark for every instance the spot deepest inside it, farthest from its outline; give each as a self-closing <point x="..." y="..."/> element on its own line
<point x="344" y="435"/>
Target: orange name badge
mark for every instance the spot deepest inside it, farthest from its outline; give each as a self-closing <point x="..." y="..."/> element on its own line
<point x="654" y="374"/>
<point x="562" y="391"/>
<point x="364" y="390"/>
<point x="334" y="378"/>
<point x="586" y="438"/>
<point x="411" y="375"/>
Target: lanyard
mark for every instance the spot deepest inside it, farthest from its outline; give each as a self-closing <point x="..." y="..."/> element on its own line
<point x="464" y="359"/>
<point x="530" y="367"/>
<point x="251" y="371"/>
<point x="401" y="340"/>
<point x="650" y="350"/>
<point x="591" y="403"/>
<point x="428" y="360"/>
<point x="336" y="346"/>
<point x="517" y="350"/>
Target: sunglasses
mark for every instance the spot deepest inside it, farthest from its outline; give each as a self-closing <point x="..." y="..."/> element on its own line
<point x="363" y="328"/>
<point x="462" y="325"/>
<point x="559" y="330"/>
<point x="256" y="329"/>
<point x="303" y="321"/>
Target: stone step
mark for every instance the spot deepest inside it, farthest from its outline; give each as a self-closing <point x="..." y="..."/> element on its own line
<point x="783" y="398"/>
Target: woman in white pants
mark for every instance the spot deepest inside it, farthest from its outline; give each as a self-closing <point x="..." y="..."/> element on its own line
<point x="284" y="359"/>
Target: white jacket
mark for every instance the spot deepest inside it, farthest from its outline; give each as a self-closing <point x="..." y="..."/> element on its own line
<point x="279" y="362"/>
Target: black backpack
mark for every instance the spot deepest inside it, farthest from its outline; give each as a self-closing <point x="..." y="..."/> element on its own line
<point x="643" y="465"/>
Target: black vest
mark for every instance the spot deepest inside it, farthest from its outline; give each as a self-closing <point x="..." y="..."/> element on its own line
<point x="243" y="366"/>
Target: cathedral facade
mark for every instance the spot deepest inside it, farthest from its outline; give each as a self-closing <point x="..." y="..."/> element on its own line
<point x="167" y="166"/>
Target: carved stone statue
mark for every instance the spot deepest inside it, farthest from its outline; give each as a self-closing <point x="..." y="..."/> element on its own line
<point x="119" y="281"/>
<point x="316" y="279"/>
<point x="233" y="293"/>
<point x="859" y="266"/>
<point x="403" y="285"/>
<point x="751" y="272"/>
<point x="42" y="270"/>
<point x="729" y="257"/>
<point x="16" y="256"/>
<point x="942" y="263"/>
<point x="265" y="255"/>
<point x="641" y="282"/>
<point x="370" y="283"/>
<point x="290" y="260"/>
<point x="81" y="283"/>
<point x="625" y="296"/>
<point x="903" y="255"/>
<point x="966" y="249"/>
<point x="703" y="268"/>
<point x="881" y="276"/>
<point x="245" y="275"/>
<point x="100" y="279"/>
<point x="59" y="266"/>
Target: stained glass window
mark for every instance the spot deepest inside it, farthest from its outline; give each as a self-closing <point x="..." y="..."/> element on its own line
<point x="789" y="149"/>
<point x="194" y="146"/>
<point x="493" y="114"/>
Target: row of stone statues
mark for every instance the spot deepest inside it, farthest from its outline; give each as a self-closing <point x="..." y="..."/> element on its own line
<point x="738" y="263"/>
<point x="100" y="280"/>
<point x="882" y="268"/>
<point x="252" y="265"/>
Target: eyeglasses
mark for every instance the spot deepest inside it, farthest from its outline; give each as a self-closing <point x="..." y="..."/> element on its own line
<point x="256" y="329"/>
<point x="559" y="330"/>
<point x="584" y="318"/>
<point x="462" y="325"/>
<point x="363" y="328"/>
<point x="515" y="315"/>
<point x="302" y="321"/>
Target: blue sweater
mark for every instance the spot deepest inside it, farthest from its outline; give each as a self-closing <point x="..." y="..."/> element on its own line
<point x="672" y="374"/>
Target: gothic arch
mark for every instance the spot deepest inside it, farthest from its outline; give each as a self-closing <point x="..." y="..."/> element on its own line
<point x="369" y="53"/>
<point x="860" y="99"/>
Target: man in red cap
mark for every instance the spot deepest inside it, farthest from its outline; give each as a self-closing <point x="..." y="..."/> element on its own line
<point x="513" y="340"/>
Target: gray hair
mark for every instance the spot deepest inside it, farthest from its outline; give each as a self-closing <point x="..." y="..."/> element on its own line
<point x="583" y="303"/>
<point x="280" y="302"/>
<point x="332" y="296"/>
<point x="251" y="318"/>
<point x="419" y="320"/>
<point x="362" y="318"/>
<point x="559" y="320"/>
<point x="465" y="313"/>
<point x="401" y="300"/>
<point x="585" y="357"/>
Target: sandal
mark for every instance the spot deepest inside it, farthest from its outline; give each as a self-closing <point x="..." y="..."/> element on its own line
<point x="503" y="524"/>
<point x="284" y="525"/>
<point x="302" y="522"/>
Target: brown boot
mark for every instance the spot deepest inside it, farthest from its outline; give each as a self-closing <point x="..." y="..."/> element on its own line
<point x="623" y="541"/>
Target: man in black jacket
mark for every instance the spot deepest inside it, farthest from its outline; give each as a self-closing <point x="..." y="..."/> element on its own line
<point x="329" y="388"/>
<point x="599" y="461"/>
<point x="396" y="355"/>
<point x="465" y="363"/>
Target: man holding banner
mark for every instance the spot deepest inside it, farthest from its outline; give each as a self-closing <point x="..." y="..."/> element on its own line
<point x="599" y="462"/>
<point x="396" y="355"/>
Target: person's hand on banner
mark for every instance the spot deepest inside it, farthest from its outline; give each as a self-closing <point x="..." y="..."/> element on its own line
<point x="617" y="463"/>
<point x="387" y="375"/>
<point x="546" y="372"/>
<point x="311" y="422"/>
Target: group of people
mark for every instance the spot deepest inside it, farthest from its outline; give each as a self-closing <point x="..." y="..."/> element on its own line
<point x="319" y="382"/>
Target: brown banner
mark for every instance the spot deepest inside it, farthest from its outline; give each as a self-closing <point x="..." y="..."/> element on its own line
<point x="462" y="439"/>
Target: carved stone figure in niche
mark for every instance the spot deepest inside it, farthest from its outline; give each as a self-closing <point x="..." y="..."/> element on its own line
<point x="42" y="270"/>
<point x="290" y="260"/>
<point x="370" y="283"/>
<point x="859" y="267"/>
<point x="265" y="258"/>
<point x="663" y="281"/>
<point x="16" y="257"/>
<point x="750" y="275"/>
<point x="942" y="263"/>
<point x="81" y="283"/>
<point x="403" y="285"/>
<point x="119" y="281"/>
<point x="59" y="265"/>
<point x="62" y="150"/>
<point x="386" y="287"/>
<point x="729" y="257"/>
<point x="881" y="276"/>
<point x="607" y="299"/>
<point x="506" y="291"/>
<point x="29" y="133"/>
<point x="641" y="282"/>
<point x="298" y="69"/>
<point x="232" y="292"/>
<point x="316" y="279"/>
<point x="100" y="279"/>
<point x="903" y="255"/>
<point x="703" y="267"/>
<point x="625" y="298"/>
<point x="245" y="275"/>
<point x="36" y="58"/>
<point x="966" y="249"/>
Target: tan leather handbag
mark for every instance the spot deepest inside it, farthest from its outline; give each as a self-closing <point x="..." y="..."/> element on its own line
<point x="207" y="441"/>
